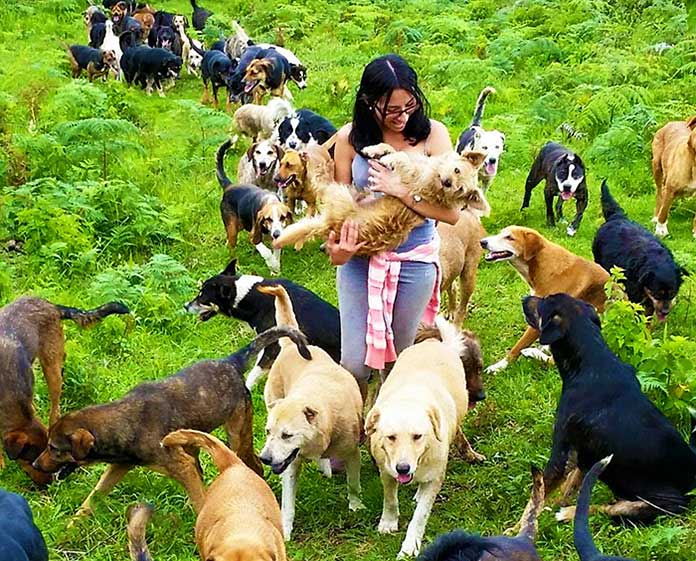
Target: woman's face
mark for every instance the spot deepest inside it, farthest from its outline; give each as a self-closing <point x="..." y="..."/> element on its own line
<point x="393" y="117"/>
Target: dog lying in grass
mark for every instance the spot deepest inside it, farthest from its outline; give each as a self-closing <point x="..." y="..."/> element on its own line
<point x="448" y="180"/>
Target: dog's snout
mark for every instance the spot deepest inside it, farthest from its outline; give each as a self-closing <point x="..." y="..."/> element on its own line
<point x="484" y="243"/>
<point x="403" y="469"/>
<point x="447" y="182"/>
<point x="266" y="459"/>
<point x="480" y="395"/>
<point x="492" y="160"/>
<point x="275" y="234"/>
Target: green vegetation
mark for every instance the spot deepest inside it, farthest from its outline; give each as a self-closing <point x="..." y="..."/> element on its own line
<point x="113" y="195"/>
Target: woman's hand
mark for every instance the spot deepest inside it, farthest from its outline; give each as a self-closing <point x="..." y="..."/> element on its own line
<point x="381" y="179"/>
<point x="341" y="250"/>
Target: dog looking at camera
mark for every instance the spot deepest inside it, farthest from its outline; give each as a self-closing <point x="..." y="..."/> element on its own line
<point x="302" y="176"/>
<point x="448" y="180"/>
<point x="259" y="165"/>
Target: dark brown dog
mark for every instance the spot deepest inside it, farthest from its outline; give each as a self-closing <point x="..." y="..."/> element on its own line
<point x="30" y="328"/>
<point x="126" y="433"/>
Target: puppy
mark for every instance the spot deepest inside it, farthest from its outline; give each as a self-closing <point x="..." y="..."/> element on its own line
<point x="240" y="518"/>
<point x="127" y="432"/>
<point x="268" y="74"/>
<point x="547" y="268"/>
<point x="30" y="328"/>
<point x="20" y="539"/>
<point x="236" y="44"/>
<point x="461" y="546"/>
<point x="250" y="208"/>
<point x="492" y="143"/>
<point x="303" y="128"/>
<point x="200" y="16"/>
<point x="448" y="180"/>
<point x="564" y="173"/>
<point x="468" y="349"/>
<point x="673" y="168"/>
<point x="602" y="411"/>
<point x="96" y="62"/>
<point x="314" y="412"/>
<point x="302" y="176"/>
<point x="652" y="278"/>
<point x="259" y="121"/>
<point x="415" y="418"/>
<point x="584" y="544"/>
<point x="460" y="253"/>
<point x="259" y="165"/>
<point x="237" y="296"/>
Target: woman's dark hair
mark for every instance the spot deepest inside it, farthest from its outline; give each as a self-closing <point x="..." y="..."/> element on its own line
<point x="380" y="78"/>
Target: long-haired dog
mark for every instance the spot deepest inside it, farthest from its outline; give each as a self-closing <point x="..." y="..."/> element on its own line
<point x="236" y="44"/>
<point x="259" y="164"/>
<point x="303" y="175"/>
<point x="448" y="180"/>
<point x="259" y="121"/>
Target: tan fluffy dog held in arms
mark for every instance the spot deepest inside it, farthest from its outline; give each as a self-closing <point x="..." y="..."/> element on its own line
<point x="448" y="180"/>
<point x="314" y="412"/>
<point x="460" y="254"/>
<point x="240" y="518"/>
<point x="30" y="328"/>
<point x="302" y="176"/>
<point x="674" y="168"/>
<point x="415" y="419"/>
<point x="259" y="121"/>
<point x="547" y="268"/>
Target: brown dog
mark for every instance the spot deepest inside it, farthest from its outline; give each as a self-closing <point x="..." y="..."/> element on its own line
<point x="147" y="22"/>
<point x="269" y="74"/>
<point x="240" y="518"/>
<point x="303" y="175"/>
<point x="127" y="432"/>
<point x="548" y="269"/>
<point x="30" y="328"/>
<point x="460" y="253"/>
<point x="674" y="168"/>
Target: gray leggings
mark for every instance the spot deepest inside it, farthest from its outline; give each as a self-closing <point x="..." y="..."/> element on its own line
<point x="415" y="288"/>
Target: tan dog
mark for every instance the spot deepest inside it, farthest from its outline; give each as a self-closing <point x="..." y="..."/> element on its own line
<point x="259" y="165"/>
<point x="259" y="121"/>
<point x="548" y="269"/>
<point x="674" y="168"/>
<point x="416" y="416"/>
<point x="267" y="75"/>
<point x="303" y="175"/>
<point x="448" y="180"/>
<point x="314" y="412"/>
<point x="240" y="518"/>
<point x="460" y="253"/>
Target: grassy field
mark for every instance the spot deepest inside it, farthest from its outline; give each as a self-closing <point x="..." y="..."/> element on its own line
<point x="152" y="230"/>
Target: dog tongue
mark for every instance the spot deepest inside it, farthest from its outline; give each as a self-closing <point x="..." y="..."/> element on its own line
<point x="490" y="168"/>
<point x="566" y="195"/>
<point x="406" y="478"/>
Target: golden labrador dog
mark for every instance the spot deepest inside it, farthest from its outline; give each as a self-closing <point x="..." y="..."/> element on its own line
<point x="240" y="518"/>
<point x="674" y="168"/>
<point x="314" y="412"/>
<point x="547" y="268"/>
<point x="416" y="416"/>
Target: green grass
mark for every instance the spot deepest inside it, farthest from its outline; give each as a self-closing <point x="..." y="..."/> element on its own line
<point x="585" y="62"/>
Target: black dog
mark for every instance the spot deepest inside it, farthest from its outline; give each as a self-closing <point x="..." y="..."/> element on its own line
<point x="200" y="16"/>
<point x="96" y="35"/>
<point x="462" y="546"/>
<point x="652" y="277"/>
<point x="587" y="551"/>
<point x="165" y="19"/>
<point x="603" y="411"/>
<point x="96" y="62"/>
<point x="235" y="296"/>
<point x="148" y="67"/>
<point x="298" y="130"/>
<point x="165" y="37"/>
<point x="218" y="70"/>
<point x="565" y="178"/>
<point x="20" y="539"/>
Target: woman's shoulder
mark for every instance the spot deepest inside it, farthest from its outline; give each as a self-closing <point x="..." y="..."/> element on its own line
<point x="438" y="140"/>
<point x="438" y="128"/>
<point x="344" y="132"/>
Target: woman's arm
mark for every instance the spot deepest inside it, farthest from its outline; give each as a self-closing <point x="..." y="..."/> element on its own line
<point x="343" y="157"/>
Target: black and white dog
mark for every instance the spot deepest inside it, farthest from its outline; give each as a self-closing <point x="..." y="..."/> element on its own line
<point x="236" y="296"/>
<point x="564" y="173"/>
<point x="492" y="143"/>
<point x="148" y="67"/>
<point x="302" y="128"/>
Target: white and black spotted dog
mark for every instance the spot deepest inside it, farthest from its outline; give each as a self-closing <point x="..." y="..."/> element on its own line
<point x="259" y="164"/>
<point x="492" y="143"/>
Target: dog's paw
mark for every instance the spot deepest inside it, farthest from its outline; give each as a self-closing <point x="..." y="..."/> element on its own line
<point x="409" y="548"/>
<point x="661" y="229"/>
<point x="473" y="457"/>
<point x="566" y="514"/>
<point x="497" y="367"/>
<point x="571" y="231"/>
<point x="354" y="503"/>
<point x="376" y="151"/>
<point x="537" y="354"/>
<point x="388" y="525"/>
<point x="324" y="465"/>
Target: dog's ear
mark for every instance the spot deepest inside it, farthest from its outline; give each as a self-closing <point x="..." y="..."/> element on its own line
<point x="231" y="268"/>
<point x="553" y="329"/>
<point x="82" y="441"/>
<point x="530" y="306"/>
<point x="257" y="229"/>
<point x="15" y="444"/>
<point x="474" y="157"/>
<point x="186" y="22"/>
<point x="532" y="245"/>
<point x="310" y="414"/>
<point x="371" y="421"/>
<point x="250" y="151"/>
<point x="502" y="138"/>
<point x="434" y="416"/>
<point x="279" y="151"/>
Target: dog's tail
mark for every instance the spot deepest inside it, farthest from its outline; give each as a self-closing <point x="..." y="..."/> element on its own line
<point x="241" y="358"/>
<point x="284" y="313"/>
<point x="444" y="331"/>
<point x="456" y="545"/>
<point x="480" y="104"/>
<point x="196" y="47"/>
<point x="87" y="318"/>
<point x="194" y="5"/>
<point x="584" y="543"/>
<point x="138" y="518"/>
<point x="610" y="208"/>
<point x="222" y="178"/>
<point x="222" y="456"/>
<point x="692" y="438"/>
<point x="528" y="522"/>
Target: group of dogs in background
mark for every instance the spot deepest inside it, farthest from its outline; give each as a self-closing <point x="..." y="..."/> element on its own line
<point x="605" y="426"/>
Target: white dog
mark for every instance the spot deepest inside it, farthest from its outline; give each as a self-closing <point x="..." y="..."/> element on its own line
<point x="259" y="164"/>
<point x="111" y="43"/>
<point x="192" y="58"/>
<point x="260" y="121"/>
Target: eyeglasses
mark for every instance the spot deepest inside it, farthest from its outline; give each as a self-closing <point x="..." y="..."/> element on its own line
<point x="396" y="112"/>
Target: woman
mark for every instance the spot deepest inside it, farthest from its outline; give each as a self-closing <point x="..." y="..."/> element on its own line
<point x="391" y="108"/>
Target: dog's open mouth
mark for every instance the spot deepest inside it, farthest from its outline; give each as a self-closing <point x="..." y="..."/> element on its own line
<point x="404" y="478"/>
<point x="566" y="195"/>
<point x="250" y="86"/>
<point x="498" y="255"/>
<point x="283" y="183"/>
<point x="491" y="168"/>
<point x="281" y="467"/>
